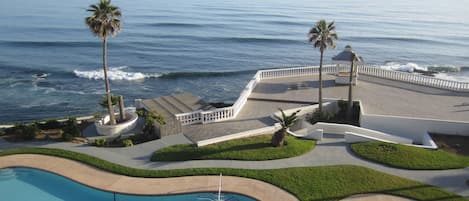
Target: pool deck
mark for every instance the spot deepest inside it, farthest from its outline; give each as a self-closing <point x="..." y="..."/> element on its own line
<point x="107" y="181"/>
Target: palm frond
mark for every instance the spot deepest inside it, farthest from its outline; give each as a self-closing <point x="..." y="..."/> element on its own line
<point x="105" y="19"/>
<point x="287" y="121"/>
<point x="322" y="35"/>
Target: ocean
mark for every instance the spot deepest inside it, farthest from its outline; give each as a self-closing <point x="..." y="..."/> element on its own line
<point x="208" y="48"/>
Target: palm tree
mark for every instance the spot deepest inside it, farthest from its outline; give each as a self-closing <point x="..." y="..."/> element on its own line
<point x="322" y="36"/>
<point x="103" y="22"/>
<point x="286" y="121"/>
<point x="355" y="58"/>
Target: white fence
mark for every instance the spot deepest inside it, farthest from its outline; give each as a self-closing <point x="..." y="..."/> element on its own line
<point x="227" y="113"/>
<point x="414" y="78"/>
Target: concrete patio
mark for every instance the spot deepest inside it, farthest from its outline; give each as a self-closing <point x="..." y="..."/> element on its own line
<point x="379" y="96"/>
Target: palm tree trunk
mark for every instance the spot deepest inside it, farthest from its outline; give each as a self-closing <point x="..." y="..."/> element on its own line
<point x="278" y="139"/>
<point x="350" y="87"/>
<point x="121" y="108"/>
<point x="110" y="108"/>
<point x="320" y="82"/>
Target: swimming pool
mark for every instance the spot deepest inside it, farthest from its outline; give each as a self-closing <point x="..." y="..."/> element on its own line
<point x="27" y="184"/>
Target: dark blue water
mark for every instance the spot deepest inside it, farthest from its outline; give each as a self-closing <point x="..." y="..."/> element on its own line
<point x="45" y="186"/>
<point x="208" y="48"/>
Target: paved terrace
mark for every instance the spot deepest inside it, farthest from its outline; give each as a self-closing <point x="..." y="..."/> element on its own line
<point x="255" y="114"/>
<point x="378" y="95"/>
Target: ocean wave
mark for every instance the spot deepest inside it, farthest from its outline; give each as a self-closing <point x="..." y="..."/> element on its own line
<point x="175" y="75"/>
<point x="118" y="73"/>
<point x="399" y="39"/>
<point x="176" y="24"/>
<point x="260" y="40"/>
<point x="51" y="43"/>
<point x="114" y="73"/>
<point x="295" y="23"/>
<point x="411" y="67"/>
<point x="453" y="77"/>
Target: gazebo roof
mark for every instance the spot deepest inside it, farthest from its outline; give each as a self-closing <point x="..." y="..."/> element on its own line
<point x="345" y="56"/>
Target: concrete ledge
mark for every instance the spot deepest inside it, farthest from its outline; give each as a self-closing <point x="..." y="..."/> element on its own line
<point x="110" y="130"/>
<point x="307" y="133"/>
<point x="249" y="133"/>
<point x="103" y="180"/>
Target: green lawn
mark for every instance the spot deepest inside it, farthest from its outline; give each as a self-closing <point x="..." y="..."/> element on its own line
<point x="307" y="183"/>
<point x="253" y="149"/>
<point x="409" y="157"/>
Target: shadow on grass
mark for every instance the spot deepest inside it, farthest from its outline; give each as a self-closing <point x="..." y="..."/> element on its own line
<point x="411" y="192"/>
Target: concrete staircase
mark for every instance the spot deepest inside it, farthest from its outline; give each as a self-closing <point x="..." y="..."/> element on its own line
<point x="169" y="106"/>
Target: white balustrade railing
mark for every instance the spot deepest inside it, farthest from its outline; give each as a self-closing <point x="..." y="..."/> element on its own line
<point x="295" y="72"/>
<point x="190" y="117"/>
<point x="414" y="78"/>
<point x="227" y="113"/>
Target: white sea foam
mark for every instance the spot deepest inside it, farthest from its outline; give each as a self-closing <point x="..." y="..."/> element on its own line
<point x="409" y="67"/>
<point x="114" y="73"/>
<point x="445" y="76"/>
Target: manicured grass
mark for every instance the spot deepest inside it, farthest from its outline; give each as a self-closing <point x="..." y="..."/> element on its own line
<point x="409" y="157"/>
<point x="253" y="149"/>
<point x="307" y="183"/>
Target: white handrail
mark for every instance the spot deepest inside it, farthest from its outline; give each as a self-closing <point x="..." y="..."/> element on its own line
<point x="414" y="78"/>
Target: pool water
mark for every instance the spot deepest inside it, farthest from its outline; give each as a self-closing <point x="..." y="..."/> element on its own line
<point x="26" y="184"/>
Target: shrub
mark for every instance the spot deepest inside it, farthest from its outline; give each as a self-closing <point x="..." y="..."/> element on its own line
<point x="50" y="124"/>
<point x="114" y="101"/>
<point x="127" y="143"/>
<point x="70" y="129"/>
<point x="29" y="131"/>
<point x="317" y="116"/>
<point x="101" y="142"/>
<point x="66" y="136"/>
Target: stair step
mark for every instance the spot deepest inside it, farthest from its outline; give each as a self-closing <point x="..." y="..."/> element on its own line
<point x="176" y="103"/>
<point x="155" y="106"/>
<point x="194" y="102"/>
<point x="171" y="109"/>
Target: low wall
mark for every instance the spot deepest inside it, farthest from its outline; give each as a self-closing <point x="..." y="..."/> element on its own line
<point x="372" y="134"/>
<point x="109" y="130"/>
<point x="327" y="106"/>
<point x="414" y="128"/>
<point x="249" y="133"/>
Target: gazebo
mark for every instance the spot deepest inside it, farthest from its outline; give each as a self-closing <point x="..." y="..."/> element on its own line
<point x="343" y="60"/>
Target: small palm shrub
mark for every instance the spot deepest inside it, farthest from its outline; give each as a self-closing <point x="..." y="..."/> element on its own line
<point x="286" y="121"/>
<point x="101" y="142"/>
<point x="127" y="143"/>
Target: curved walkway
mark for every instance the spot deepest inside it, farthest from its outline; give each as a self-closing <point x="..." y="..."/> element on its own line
<point x="330" y="151"/>
<point x="145" y="186"/>
<point x="375" y="197"/>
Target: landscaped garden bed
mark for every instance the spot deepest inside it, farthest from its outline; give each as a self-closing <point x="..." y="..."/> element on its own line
<point x="340" y="117"/>
<point x="452" y="143"/>
<point x="252" y="148"/>
<point x="48" y="130"/>
<point x="306" y="183"/>
<point x="408" y="157"/>
<point x="149" y="132"/>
